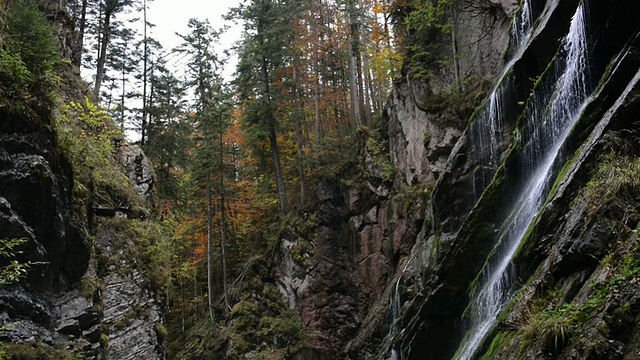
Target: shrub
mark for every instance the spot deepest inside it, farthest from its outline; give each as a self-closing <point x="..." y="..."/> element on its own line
<point x="28" y="56"/>
<point x="426" y="22"/>
<point x="89" y="138"/>
<point x="14" y="270"/>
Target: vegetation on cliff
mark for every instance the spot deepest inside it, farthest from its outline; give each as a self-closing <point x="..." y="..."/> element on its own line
<point x="301" y="120"/>
<point x="278" y="223"/>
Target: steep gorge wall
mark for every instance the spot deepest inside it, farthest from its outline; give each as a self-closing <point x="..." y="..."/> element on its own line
<point x="78" y="298"/>
<point x="397" y="243"/>
<point x="87" y="295"/>
<point x="341" y="276"/>
<point x="434" y="313"/>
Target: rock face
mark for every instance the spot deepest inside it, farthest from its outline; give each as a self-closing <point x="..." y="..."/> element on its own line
<point x="563" y="245"/>
<point x="137" y="169"/>
<point x="390" y="267"/>
<point x="64" y="301"/>
<point x="68" y="300"/>
<point x="35" y="203"/>
<point x="339" y="271"/>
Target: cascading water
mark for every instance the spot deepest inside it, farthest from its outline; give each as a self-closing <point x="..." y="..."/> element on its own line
<point x="551" y="114"/>
<point x="521" y="28"/>
<point x="486" y="129"/>
<point x="485" y="138"/>
<point x="396" y="352"/>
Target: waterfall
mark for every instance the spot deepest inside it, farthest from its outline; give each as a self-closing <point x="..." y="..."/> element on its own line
<point x="486" y="129"/>
<point x="521" y="26"/>
<point x="394" y="350"/>
<point x="551" y="113"/>
<point x="486" y="138"/>
<point x="396" y="305"/>
<point x="485" y="141"/>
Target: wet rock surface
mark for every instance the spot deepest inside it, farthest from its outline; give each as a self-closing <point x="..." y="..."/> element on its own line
<point x="64" y="302"/>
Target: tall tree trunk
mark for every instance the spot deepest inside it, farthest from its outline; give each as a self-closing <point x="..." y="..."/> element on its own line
<point x="454" y="47"/>
<point x="316" y="123"/>
<point x="275" y="153"/>
<point x="102" y="54"/>
<point x="273" y="140"/>
<point x="143" y="125"/>
<point x="369" y="91"/>
<point x="122" y="97"/>
<point x="182" y="311"/>
<point x="210" y="280"/>
<point x="152" y="121"/>
<point x="223" y="227"/>
<point x="77" y="56"/>
<point x="299" y="137"/>
<point x="300" y="144"/>
<point x="355" y="64"/>
<point x="353" y="88"/>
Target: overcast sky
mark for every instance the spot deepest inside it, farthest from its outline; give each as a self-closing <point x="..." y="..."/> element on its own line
<point x="171" y="16"/>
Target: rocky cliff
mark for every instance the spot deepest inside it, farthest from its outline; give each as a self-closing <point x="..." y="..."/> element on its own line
<point x="87" y="293"/>
<point x="396" y="268"/>
<point x="494" y="215"/>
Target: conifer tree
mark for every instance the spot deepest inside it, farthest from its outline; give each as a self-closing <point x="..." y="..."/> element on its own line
<point x="265" y="49"/>
<point x="212" y="112"/>
<point x="108" y="9"/>
<point x="168" y="133"/>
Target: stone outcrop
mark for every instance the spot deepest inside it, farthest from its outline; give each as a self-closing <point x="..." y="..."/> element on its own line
<point x="114" y="315"/>
<point x="340" y="270"/>
<point x="137" y="169"/>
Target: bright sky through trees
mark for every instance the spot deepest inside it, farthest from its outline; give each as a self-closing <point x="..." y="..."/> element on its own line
<point x="171" y="16"/>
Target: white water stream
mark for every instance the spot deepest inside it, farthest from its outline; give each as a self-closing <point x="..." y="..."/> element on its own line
<point x="486" y="129"/>
<point x="551" y="115"/>
<point x="485" y="133"/>
<point x="396" y="352"/>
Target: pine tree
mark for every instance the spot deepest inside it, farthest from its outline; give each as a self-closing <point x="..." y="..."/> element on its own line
<point x="169" y="132"/>
<point x="107" y="12"/>
<point x="212" y="113"/>
<point x="266" y="48"/>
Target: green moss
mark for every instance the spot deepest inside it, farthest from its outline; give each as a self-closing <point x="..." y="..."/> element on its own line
<point x="146" y="243"/>
<point x="426" y="138"/>
<point x="37" y="351"/>
<point x="501" y="340"/>
<point x="261" y="323"/>
<point x="161" y="331"/>
<point x="104" y="341"/>
<point x="561" y="176"/>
